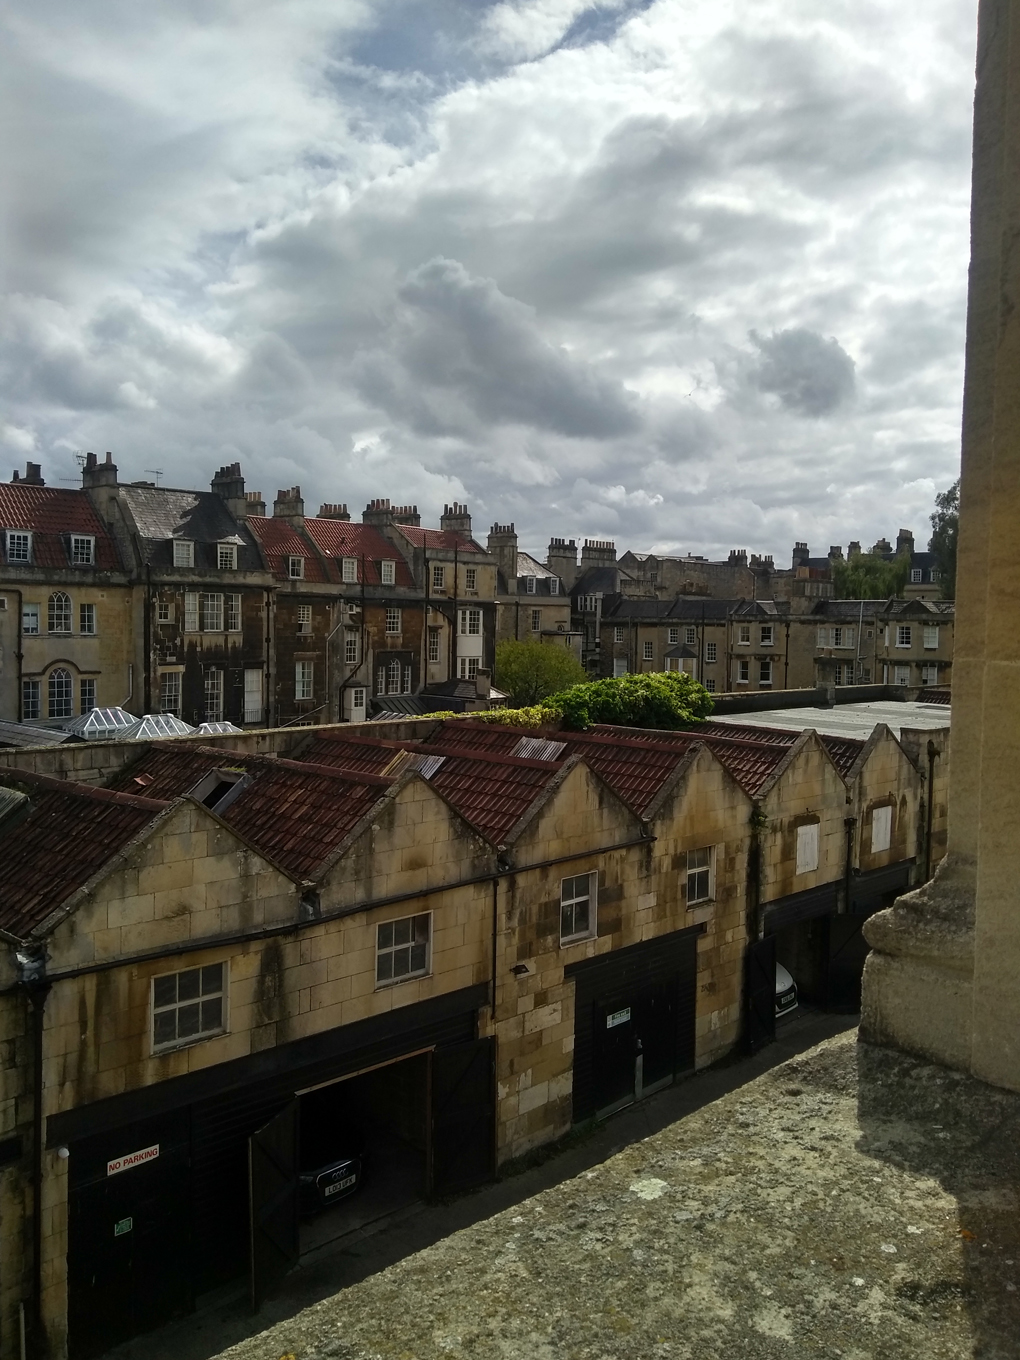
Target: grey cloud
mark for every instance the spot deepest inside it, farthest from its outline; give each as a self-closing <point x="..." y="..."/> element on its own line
<point x="458" y="336"/>
<point x="809" y="374"/>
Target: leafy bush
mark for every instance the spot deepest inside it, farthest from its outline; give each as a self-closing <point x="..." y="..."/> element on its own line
<point x="530" y="671"/>
<point x="666" y="699"/>
<point x="535" y="716"/>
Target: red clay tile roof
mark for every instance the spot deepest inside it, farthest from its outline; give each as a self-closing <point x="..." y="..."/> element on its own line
<point x="280" y="541"/>
<point x="70" y="832"/>
<point x="340" y="538"/>
<point x="294" y="812"/>
<point x="51" y="513"/>
<point x="438" y="538"/>
<point x="366" y="755"/>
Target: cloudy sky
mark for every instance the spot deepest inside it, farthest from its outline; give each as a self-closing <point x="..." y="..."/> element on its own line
<point x="689" y="274"/>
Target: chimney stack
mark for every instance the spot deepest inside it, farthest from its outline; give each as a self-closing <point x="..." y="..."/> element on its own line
<point x="95" y="474"/>
<point x="599" y="552"/>
<point x="456" y="519"/>
<point x="228" y="484"/>
<point x="32" y="477"/>
<point x="801" y="555"/>
<point x="256" y="503"/>
<point x="502" y="545"/>
<point x="289" y="506"/>
<point x="562" y="559"/>
<point x="381" y="515"/>
<point x="331" y="511"/>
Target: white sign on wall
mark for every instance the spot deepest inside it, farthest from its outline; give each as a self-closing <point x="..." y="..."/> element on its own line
<point x="618" y="1018"/>
<point x="131" y="1159"/>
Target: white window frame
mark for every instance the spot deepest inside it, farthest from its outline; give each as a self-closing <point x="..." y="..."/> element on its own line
<point x="393" y="951"/>
<point x="438" y="577"/>
<point x="60" y="702"/>
<point x="699" y="876"/>
<point x="807" y="848"/>
<point x="881" y="828"/>
<point x="226" y="556"/>
<point x="86" y="694"/>
<point x="434" y="646"/>
<point x="393" y="621"/>
<point x="18" y="546"/>
<point x="211" y="986"/>
<point x="352" y="648"/>
<point x="743" y="671"/>
<point x="529" y="585"/>
<point x="59" y="613"/>
<point x="768" y="634"/>
<point x="690" y="636"/>
<point x="536" y="620"/>
<point x="618" y="634"/>
<point x="232" y="613"/>
<point x="83" y="550"/>
<point x="619" y="667"/>
<point x="349" y="570"/>
<point x="184" y="552"/>
<point x="903" y="635"/>
<point x="191" y="611"/>
<point x="170" y="692"/>
<point x="673" y="636"/>
<point x="916" y="576"/>
<point x="572" y="896"/>
<point x="648" y="651"/>
<point x="765" y="674"/>
<point x="388" y="571"/>
<point x="930" y="674"/>
<point x="304" y="680"/>
<point x="554" y="585"/>
<point x="901" y="675"/>
<point x="212" y="688"/>
<point x="164" y="611"/>
<point x="931" y="637"/>
<point x="711" y="652"/>
<point x="87" y="620"/>
<point x="304" y="618"/>
<point x="296" y="568"/>
<point x="469" y="667"/>
<point x="743" y="635"/>
<point x="822" y="637"/>
<point x="210" y="609"/>
<point x="470" y="579"/>
<point x="30" y="615"/>
<point x="470" y="622"/>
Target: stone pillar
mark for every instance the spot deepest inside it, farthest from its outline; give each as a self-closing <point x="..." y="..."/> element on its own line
<point x="944" y="976"/>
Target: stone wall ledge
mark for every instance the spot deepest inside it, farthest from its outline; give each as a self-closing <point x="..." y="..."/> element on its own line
<point x="934" y="923"/>
<point x="852" y="1202"/>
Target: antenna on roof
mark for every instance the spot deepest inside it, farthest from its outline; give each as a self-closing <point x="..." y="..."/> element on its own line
<point x="79" y="458"/>
<point x="156" y="472"/>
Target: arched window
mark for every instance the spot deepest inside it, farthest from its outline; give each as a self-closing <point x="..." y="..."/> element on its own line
<point x="393" y="678"/>
<point x="60" y="613"/>
<point x="61" y="693"/>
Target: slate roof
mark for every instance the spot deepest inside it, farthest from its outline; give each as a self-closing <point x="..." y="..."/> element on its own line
<point x="24" y="734"/>
<point x="162" y="513"/>
<point x="52" y="513"/>
<point x="69" y="834"/>
<point x="338" y="538"/>
<point x="280" y="541"/>
<point x="618" y="608"/>
<point x="442" y="539"/>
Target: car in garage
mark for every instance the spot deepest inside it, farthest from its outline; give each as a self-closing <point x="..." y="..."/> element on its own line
<point x="332" y="1167"/>
<point x="786" y="992"/>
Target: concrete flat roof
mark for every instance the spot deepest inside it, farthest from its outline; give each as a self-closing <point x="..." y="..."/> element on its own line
<point x="845" y="720"/>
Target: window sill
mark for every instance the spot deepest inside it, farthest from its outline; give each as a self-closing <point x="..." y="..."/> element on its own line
<point x="164" y="1049"/>
<point x="395" y="982"/>
<point x="701" y="913"/>
<point x="568" y="940"/>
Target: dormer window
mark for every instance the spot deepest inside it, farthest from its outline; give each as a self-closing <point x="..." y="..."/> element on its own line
<point x="19" y="545"/>
<point x="529" y="585"/>
<point x="388" y="573"/>
<point x="83" y="550"/>
<point x="184" y="552"/>
<point x="554" y="585"/>
<point x="296" y="568"/>
<point x="350" y="569"/>
<point x="226" y="556"/>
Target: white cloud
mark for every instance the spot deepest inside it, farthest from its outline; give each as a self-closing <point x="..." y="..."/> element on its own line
<point x="511" y="253"/>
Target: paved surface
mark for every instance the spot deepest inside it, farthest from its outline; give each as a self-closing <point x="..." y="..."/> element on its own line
<point x="852" y="1204"/>
<point x="228" y="1320"/>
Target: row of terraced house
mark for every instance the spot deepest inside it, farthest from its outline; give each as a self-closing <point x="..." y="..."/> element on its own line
<point x="203" y="606"/>
<point x="474" y="937"/>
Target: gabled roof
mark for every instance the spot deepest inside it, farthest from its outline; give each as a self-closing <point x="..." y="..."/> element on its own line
<point x="689" y="610"/>
<point x="52" y="514"/>
<point x="338" y="538"/>
<point x="161" y="514"/>
<point x="280" y="541"/>
<point x="441" y="539"/>
<point x="69" y="833"/>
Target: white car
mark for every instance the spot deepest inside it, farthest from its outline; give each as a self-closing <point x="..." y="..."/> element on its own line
<point x="786" y="992"/>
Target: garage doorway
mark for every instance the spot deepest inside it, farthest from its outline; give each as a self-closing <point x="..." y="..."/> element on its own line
<point x="363" y="1149"/>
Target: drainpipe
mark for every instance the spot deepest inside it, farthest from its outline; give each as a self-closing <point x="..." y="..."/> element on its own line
<point x="849" y="823"/>
<point x="19" y="655"/>
<point x="30" y="960"/>
<point x="932" y="757"/>
<point x="147" y="642"/>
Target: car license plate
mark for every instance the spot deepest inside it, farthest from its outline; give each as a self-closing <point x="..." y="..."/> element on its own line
<point x="337" y="1186"/>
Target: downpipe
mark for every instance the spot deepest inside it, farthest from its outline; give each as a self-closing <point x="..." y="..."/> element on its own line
<point x="31" y="964"/>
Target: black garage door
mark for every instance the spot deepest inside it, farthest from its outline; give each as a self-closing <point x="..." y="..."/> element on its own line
<point x="145" y="1241"/>
<point x="634" y="1012"/>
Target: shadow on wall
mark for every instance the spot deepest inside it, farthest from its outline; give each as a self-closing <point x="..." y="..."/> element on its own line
<point x="947" y="1128"/>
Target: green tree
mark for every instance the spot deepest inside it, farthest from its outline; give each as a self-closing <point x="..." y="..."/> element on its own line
<point x="666" y="699"/>
<point x="945" y="524"/>
<point x="866" y="576"/>
<point x="531" y="671"/>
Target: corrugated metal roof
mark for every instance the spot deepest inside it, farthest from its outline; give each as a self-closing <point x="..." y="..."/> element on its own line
<point x="845" y="720"/>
